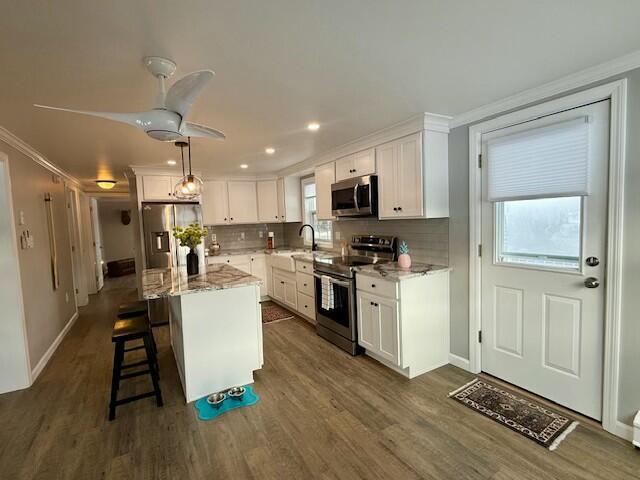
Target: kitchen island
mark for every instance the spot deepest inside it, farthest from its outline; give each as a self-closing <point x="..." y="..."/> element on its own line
<point x="215" y="324"/>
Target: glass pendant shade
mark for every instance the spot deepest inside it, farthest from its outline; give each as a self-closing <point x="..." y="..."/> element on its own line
<point x="189" y="187"/>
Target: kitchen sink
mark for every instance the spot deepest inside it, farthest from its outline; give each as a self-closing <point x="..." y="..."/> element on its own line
<point x="284" y="261"/>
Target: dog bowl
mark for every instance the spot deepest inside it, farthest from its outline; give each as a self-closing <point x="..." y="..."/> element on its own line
<point x="236" y="393"/>
<point x="216" y="399"/>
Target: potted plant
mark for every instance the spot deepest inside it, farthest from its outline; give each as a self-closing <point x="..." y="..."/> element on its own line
<point x="191" y="237"/>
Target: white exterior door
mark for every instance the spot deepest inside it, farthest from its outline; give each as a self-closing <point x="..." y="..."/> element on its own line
<point x="542" y="309"/>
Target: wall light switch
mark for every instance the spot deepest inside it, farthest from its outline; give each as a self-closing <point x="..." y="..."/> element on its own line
<point x="260" y="234"/>
<point x="338" y="235"/>
<point x="66" y="297"/>
<point x="241" y="235"/>
<point x="21" y="217"/>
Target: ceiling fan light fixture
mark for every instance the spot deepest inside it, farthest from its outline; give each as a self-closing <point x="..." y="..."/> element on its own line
<point x="106" y="184"/>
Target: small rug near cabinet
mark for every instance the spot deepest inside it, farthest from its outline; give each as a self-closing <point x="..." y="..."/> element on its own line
<point x="274" y="313"/>
<point x="530" y="419"/>
<point x="207" y="412"/>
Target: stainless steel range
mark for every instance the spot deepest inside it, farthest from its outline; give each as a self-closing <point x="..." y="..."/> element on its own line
<point x="335" y="288"/>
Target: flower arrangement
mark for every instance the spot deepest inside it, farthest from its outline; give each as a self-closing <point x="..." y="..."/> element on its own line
<point x="190" y="236"/>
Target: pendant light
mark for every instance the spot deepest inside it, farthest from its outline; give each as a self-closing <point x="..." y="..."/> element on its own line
<point x="189" y="186"/>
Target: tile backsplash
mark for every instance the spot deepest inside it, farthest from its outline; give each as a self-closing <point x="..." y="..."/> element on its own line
<point x="428" y="240"/>
<point x="230" y="236"/>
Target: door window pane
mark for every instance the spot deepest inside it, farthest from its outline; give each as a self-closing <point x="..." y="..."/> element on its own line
<point x="543" y="232"/>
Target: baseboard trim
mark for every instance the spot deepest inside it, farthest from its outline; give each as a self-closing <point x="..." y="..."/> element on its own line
<point x="459" y="362"/>
<point x="37" y="370"/>
<point x="623" y="431"/>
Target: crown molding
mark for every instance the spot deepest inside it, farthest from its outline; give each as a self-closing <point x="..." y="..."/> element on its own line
<point x="23" y="147"/>
<point x="579" y="79"/>
<point x="417" y="123"/>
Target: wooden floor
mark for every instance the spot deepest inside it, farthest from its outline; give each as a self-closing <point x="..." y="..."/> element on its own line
<point x="322" y="414"/>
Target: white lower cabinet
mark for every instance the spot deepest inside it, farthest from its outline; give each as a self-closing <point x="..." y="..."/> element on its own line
<point x="259" y="269"/>
<point x="405" y="324"/>
<point x="306" y="306"/>
<point x="284" y="288"/>
<point x="378" y="326"/>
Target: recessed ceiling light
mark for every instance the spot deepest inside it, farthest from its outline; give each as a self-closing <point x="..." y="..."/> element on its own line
<point x="313" y="126"/>
<point x="171" y="162"/>
<point x="270" y="150"/>
<point x="244" y="165"/>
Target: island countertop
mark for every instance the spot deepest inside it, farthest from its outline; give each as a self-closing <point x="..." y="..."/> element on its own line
<point x="394" y="273"/>
<point x="168" y="282"/>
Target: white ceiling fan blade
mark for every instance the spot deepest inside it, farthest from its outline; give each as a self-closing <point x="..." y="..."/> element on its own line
<point x="183" y="93"/>
<point x="188" y="129"/>
<point x="134" y="119"/>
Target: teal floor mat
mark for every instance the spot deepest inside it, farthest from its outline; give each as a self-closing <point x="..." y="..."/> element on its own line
<point x="207" y="412"/>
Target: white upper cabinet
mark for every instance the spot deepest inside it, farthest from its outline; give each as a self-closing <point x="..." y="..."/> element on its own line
<point x="243" y="206"/>
<point x="325" y="175"/>
<point x="413" y="177"/>
<point x="268" y="201"/>
<point x="157" y="187"/>
<point x="215" y="203"/>
<point x="356" y="165"/>
<point x="289" y="199"/>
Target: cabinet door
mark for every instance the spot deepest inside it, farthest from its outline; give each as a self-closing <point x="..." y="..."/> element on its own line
<point x="278" y="287"/>
<point x="290" y="294"/>
<point x="385" y="155"/>
<point x="409" y="176"/>
<point x="259" y="269"/>
<point x="289" y="199"/>
<point x="386" y="312"/>
<point x="243" y="207"/>
<point x="324" y="176"/>
<point x="215" y="203"/>
<point x="344" y="168"/>
<point x="267" y="201"/>
<point x="241" y="262"/>
<point x="157" y="187"/>
<point x="367" y="322"/>
<point x="364" y="163"/>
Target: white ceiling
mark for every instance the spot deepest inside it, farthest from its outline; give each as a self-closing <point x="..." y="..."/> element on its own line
<point x="354" y="66"/>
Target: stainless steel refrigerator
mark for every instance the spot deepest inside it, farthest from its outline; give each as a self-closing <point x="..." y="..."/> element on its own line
<point x="162" y="250"/>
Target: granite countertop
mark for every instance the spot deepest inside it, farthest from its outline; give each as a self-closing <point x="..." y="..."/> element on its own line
<point x="393" y="273"/>
<point x="308" y="256"/>
<point x="168" y="282"/>
<point x="249" y="251"/>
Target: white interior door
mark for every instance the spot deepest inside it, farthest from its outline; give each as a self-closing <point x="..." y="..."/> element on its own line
<point x="542" y="308"/>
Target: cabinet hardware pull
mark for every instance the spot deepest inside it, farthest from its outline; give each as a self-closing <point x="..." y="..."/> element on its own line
<point x="371" y="303"/>
<point x="399" y="209"/>
<point x="305" y="284"/>
<point x="373" y="285"/>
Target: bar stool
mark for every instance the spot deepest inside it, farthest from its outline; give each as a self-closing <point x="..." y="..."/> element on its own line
<point x="135" y="309"/>
<point x="125" y="330"/>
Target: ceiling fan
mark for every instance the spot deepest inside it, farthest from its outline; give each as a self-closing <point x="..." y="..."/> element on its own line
<point x="166" y="120"/>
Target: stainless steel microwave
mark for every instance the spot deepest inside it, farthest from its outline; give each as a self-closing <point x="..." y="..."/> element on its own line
<point x="355" y="197"/>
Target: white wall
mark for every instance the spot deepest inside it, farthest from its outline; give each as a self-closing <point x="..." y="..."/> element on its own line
<point x="47" y="310"/>
<point x="117" y="239"/>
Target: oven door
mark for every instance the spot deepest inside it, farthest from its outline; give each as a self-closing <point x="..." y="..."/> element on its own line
<point x="335" y="305"/>
<point x="355" y="197"/>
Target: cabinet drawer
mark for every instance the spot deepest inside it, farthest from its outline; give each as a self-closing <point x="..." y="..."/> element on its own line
<point x="219" y="259"/>
<point x="377" y="286"/>
<point x="304" y="267"/>
<point x="305" y="283"/>
<point x="230" y="259"/>
<point x="306" y="306"/>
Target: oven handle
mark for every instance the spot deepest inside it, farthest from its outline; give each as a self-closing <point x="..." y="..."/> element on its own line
<point x="355" y="196"/>
<point x="333" y="280"/>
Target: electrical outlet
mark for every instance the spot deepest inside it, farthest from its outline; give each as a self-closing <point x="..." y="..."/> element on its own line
<point x="21" y="218"/>
<point x="66" y="297"/>
<point x="338" y="235"/>
<point x="260" y="234"/>
<point x="241" y="235"/>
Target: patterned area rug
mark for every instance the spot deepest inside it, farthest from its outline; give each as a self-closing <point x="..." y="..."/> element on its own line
<point x="530" y="419"/>
<point x="274" y="313"/>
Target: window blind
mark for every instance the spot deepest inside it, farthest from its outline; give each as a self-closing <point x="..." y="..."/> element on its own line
<point x="543" y="162"/>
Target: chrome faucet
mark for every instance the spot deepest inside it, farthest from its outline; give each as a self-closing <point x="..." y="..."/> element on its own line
<point x="314" y="247"/>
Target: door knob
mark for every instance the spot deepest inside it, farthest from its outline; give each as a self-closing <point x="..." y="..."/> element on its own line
<point x="591" y="282"/>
